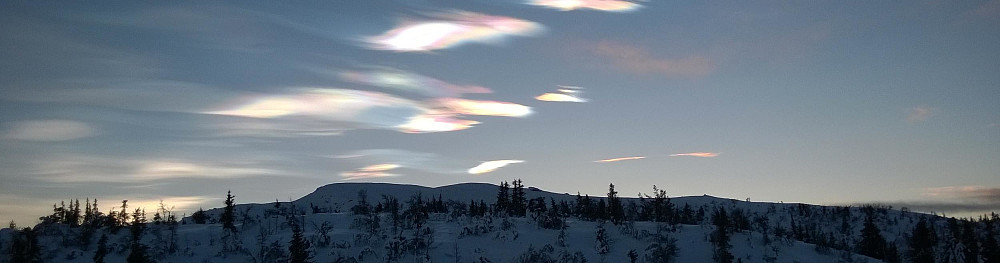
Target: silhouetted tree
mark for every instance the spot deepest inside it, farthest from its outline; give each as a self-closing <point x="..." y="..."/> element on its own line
<point x="138" y="252"/>
<point x="24" y="246"/>
<point x="518" y="201"/>
<point x="991" y="250"/>
<point x="503" y="198"/>
<point x="720" y="237"/>
<point x="199" y="217"/>
<point x="922" y="243"/>
<point x="228" y="213"/>
<point x="298" y="247"/>
<point x="872" y="243"/>
<point x="616" y="212"/>
<point x="970" y="241"/>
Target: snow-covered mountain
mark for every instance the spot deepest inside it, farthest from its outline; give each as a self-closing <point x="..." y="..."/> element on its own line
<point x="439" y="225"/>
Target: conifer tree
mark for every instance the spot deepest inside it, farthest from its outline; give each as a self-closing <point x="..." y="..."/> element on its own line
<point x="24" y="246"/>
<point x="199" y="217"/>
<point x="872" y="243"/>
<point x="298" y="247"/>
<point x="970" y="241"/>
<point x="616" y="212"/>
<point x="720" y="237"/>
<point x="922" y="243"/>
<point x="991" y="250"/>
<point x="228" y="215"/>
<point x="503" y="198"/>
<point x="518" y="201"/>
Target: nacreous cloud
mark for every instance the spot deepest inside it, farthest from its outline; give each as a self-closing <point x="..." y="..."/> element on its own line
<point x="451" y="30"/>
<point x="409" y="82"/>
<point x="490" y="166"/>
<point x="49" y="130"/>
<point x="339" y="108"/>
<point x="377" y="161"/>
<point x="483" y="107"/>
<point x="620" y="159"/>
<point x="696" y="154"/>
<point x="564" y="94"/>
<point x="602" y="5"/>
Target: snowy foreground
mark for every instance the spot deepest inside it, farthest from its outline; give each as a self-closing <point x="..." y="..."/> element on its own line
<point x="262" y="232"/>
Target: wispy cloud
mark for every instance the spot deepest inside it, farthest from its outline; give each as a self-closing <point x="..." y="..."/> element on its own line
<point x="405" y="81"/>
<point x="637" y="60"/>
<point x="452" y="29"/>
<point x="81" y="168"/>
<point x="620" y="159"/>
<point x="602" y="5"/>
<point x="563" y="94"/>
<point x="980" y="193"/>
<point x="696" y="154"/>
<point x="919" y="114"/>
<point x="49" y="130"/>
<point x="490" y="166"/>
<point x="969" y="200"/>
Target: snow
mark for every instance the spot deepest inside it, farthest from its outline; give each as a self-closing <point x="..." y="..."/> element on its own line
<point x="509" y="237"/>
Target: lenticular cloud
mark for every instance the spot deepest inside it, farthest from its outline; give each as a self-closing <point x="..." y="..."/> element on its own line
<point x="696" y="154"/>
<point x="563" y="94"/>
<point x="620" y="159"/>
<point x="490" y="166"/>
<point x="602" y="5"/>
<point x="452" y="29"/>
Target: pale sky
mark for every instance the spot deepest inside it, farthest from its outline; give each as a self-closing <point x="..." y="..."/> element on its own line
<point x="822" y="102"/>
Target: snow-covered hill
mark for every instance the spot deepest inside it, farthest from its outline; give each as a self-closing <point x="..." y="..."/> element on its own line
<point x="454" y="232"/>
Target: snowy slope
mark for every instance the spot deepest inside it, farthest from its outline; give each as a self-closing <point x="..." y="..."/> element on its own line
<point x="265" y="228"/>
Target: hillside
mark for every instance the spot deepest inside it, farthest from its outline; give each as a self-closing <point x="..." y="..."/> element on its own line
<point x="439" y="225"/>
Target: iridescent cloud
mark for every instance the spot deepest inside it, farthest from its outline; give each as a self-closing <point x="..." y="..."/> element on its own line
<point x="564" y="94"/>
<point x="325" y="110"/>
<point x="620" y="159"/>
<point x="409" y="82"/>
<point x="697" y="154"/>
<point x="602" y="5"/>
<point x="452" y="29"/>
<point x="381" y="160"/>
<point x="490" y="166"/>
<point x="483" y="107"/>
<point x="371" y="171"/>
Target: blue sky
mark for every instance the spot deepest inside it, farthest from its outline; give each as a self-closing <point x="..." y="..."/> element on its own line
<point x="824" y="102"/>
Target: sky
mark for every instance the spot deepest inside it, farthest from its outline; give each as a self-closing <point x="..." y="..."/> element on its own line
<point x="820" y="102"/>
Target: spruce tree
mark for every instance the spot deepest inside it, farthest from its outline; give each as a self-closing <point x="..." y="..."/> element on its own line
<point x="616" y="212"/>
<point x="720" y="237"/>
<point x="503" y="198"/>
<point x="872" y="243"/>
<point x="24" y="246"/>
<point x="922" y="243"/>
<point x="228" y="215"/>
<point x="518" y="201"/>
<point x="298" y="247"/>
<point x="970" y="241"/>
<point x="990" y="250"/>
